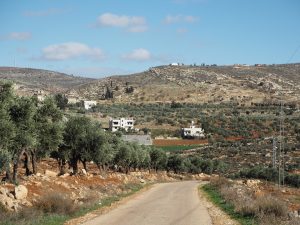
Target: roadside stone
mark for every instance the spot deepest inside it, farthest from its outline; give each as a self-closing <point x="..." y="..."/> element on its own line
<point x="142" y="181"/>
<point x="65" y="175"/>
<point x="3" y="191"/>
<point x="6" y="202"/>
<point x="20" y="192"/>
<point x="10" y="195"/>
<point x="26" y="203"/>
<point x="50" y="173"/>
<point x="84" y="172"/>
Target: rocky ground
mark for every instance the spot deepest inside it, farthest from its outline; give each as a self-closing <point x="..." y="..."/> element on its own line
<point x="91" y="185"/>
<point x="80" y="188"/>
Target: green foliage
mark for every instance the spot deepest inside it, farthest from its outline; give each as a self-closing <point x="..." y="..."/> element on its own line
<point x="175" y="163"/>
<point x="48" y="122"/>
<point x="178" y="148"/>
<point x="61" y="101"/>
<point x="269" y="174"/>
<point x="158" y="159"/>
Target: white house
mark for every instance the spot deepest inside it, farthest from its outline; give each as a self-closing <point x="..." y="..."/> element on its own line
<point x="89" y="104"/>
<point x="116" y="124"/>
<point x="192" y="132"/>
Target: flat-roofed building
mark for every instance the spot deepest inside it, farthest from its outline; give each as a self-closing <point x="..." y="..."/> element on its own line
<point x="125" y="123"/>
<point x="192" y="132"/>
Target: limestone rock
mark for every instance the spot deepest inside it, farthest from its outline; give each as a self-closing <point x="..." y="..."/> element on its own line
<point x="142" y="181"/>
<point x="20" y="192"/>
<point x="84" y="172"/>
<point x="3" y="191"/>
<point x="6" y="202"/>
<point x="50" y="173"/>
<point x="65" y="175"/>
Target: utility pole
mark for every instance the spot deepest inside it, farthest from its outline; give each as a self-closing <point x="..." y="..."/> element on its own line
<point x="281" y="161"/>
<point x="274" y="152"/>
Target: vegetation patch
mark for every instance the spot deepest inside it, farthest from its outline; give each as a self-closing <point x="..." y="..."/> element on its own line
<point x="177" y="148"/>
<point x="55" y="209"/>
<point x="242" y="204"/>
<point x="227" y="207"/>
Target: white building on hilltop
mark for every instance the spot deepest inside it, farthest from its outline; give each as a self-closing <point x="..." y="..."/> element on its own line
<point x="116" y="124"/>
<point x="89" y="104"/>
<point x="192" y="132"/>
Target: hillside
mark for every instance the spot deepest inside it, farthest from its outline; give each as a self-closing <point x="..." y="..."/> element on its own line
<point x="29" y="81"/>
<point x="212" y="84"/>
<point x="194" y="84"/>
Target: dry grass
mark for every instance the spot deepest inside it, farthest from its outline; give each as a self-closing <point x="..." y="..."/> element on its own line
<point x="56" y="203"/>
<point x="268" y="210"/>
<point x="219" y="182"/>
<point x="268" y="205"/>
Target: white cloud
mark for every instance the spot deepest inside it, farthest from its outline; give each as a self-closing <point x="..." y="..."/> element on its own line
<point x="18" y="36"/>
<point x="139" y="54"/>
<point x="70" y="50"/>
<point x="130" y="23"/>
<point x="179" y="19"/>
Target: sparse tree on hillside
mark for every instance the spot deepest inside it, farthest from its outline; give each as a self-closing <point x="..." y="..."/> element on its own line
<point x="49" y="126"/>
<point x="175" y="163"/>
<point x="61" y="101"/>
<point x="75" y="135"/>
<point x="22" y="115"/>
<point x="7" y="128"/>
<point x="158" y="159"/>
<point x="123" y="157"/>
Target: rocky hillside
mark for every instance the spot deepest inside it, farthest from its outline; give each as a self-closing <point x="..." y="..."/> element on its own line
<point x="29" y="81"/>
<point x="214" y="84"/>
<point x="202" y="84"/>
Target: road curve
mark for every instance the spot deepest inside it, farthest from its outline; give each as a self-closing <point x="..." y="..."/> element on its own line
<point x="164" y="204"/>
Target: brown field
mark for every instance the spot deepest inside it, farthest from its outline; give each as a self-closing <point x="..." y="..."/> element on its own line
<point x="180" y="142"/>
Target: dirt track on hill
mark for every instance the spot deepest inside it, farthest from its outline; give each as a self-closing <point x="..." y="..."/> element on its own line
<point x="168" y="203"/>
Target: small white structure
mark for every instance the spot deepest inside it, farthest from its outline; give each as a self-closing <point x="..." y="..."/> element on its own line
<point x="89" y="104"/>
<point x="192" y="132"/>
<point x="116" y="124"/>
<point x="174" y="64"/>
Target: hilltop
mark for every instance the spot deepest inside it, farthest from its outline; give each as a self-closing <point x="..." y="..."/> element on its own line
<point x="194" y="84"/>
<point x="211" y="84"/>
<point x="29" y="81"/>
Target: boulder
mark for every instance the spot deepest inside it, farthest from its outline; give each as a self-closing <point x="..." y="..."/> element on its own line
<point x="24" y="202"/>
<point x="84" y="172"/>
<point x="3" y="191"/>
<point x="20" y="192"/>
<point x="50" y="173"/>
<point x="6" y="202"/>
<point x="65" y="175"/>
<point x="142" y="181"/>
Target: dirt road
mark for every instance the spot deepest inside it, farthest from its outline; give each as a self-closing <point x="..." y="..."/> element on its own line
<point x="164" y="204"/>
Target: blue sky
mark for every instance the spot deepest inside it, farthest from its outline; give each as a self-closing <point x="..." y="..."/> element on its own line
<point x="97" y="38"/>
